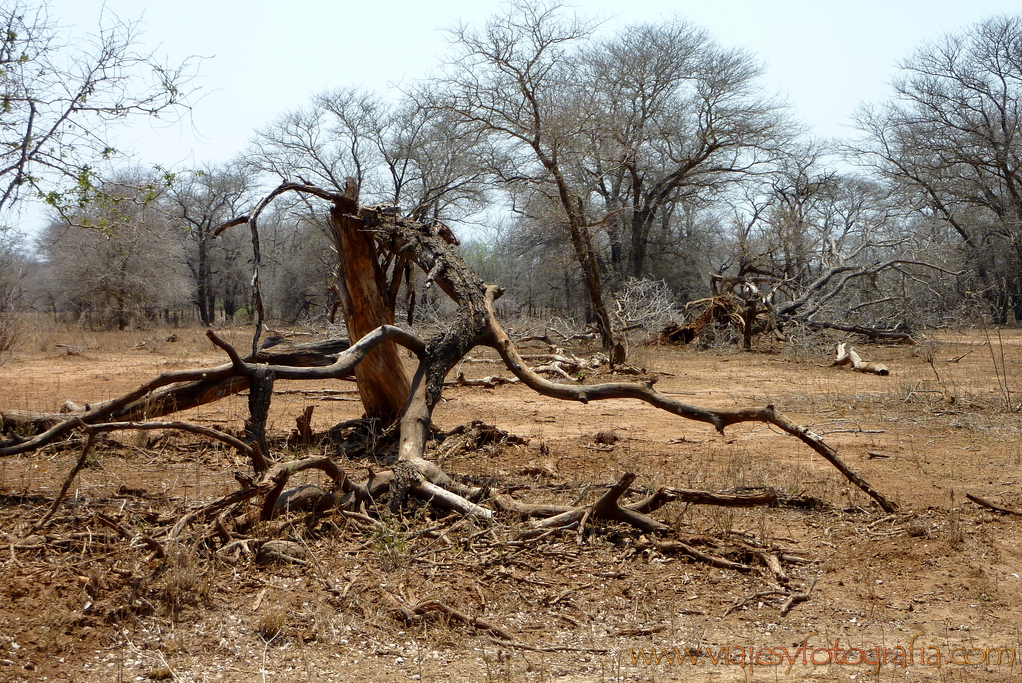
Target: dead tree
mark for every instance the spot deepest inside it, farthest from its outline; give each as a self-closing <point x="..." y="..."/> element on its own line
<point x="428" y="246"/>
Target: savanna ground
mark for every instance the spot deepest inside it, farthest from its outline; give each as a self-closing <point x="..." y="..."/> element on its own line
<point x="78" y="602"/>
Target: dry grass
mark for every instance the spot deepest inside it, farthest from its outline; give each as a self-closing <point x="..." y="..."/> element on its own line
<point x="271" y="621"/>
<point x="938" y="568"/>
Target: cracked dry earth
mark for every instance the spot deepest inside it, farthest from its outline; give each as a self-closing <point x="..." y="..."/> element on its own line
<point x="932" y="593"/>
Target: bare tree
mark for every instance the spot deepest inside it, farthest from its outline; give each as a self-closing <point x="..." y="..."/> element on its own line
<point x="404" y="155"/>
<point x="200" y="201"/>
<point x="514" y="81"/>
<point x="14" y="266"/>
<point x="951" y="138"/>
<point x="354" y="144"/>
<point x="122" y="274"/>
<point x="60" y="94"/>
<point x="673" y="115"/>
<point x="613" y="133"/>
<point x="299" y="263"/>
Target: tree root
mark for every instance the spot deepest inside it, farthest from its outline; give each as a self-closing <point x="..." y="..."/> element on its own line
<point x="792" y="598"/>
<point x="607" y="508"/>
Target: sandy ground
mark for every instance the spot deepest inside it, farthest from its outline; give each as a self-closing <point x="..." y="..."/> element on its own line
<point x="934" y="591"/>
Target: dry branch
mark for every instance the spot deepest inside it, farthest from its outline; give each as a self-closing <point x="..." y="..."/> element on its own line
<point x="712" y="560"/>
<point x="992" y="505"/>
<point x="79" y="464"/>
<point x="184" y="391"/>
<point x="248" y="450"/>
<point x="342" y="366"/>
<point x="796" y="598"/>
<point x="406" y="613"/>
<point x="720" y="419"/>
<point x="607" y="507"/>
<point x="490" y="382"/>
<point x="847" y="355"/>
<point x="434" y="494"/>
<point x="737" y="500"/>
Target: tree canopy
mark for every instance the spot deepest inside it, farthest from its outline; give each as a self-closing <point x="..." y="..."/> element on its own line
<point x="61" y="93"/>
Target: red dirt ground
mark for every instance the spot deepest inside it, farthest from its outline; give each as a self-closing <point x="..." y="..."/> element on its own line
<point x="80" y="603"/>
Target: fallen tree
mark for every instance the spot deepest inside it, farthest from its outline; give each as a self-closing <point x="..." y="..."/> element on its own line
<point x="171" y="393"/>
<point x="428" y="246"/>
<point x="227" y="524"/>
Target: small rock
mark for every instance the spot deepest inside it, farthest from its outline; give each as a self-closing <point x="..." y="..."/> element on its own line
<point x="281" y="552"/>
<point x="307" y="498"/>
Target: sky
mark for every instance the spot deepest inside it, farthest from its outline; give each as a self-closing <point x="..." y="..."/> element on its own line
<point x="261" y="58"/>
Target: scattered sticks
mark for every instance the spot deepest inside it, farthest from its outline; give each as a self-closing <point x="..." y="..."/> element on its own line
<point x="405" y="612"/>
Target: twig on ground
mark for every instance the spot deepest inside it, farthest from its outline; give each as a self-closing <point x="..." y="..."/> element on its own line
<point x="991" y="505"/>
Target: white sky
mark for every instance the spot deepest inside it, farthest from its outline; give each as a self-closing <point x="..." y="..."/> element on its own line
<point x="263" y="57"/>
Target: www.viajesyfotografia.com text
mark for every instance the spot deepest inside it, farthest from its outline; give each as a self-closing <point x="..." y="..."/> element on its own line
<point x="914" y="653"/>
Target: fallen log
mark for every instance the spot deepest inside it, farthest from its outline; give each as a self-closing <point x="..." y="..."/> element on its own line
<point x="341" y="367"/>
<point x="847" y="355"/>
<point x="978" y="500"/>
<point x="870" y="332"/>
<point x="189" y="392"/>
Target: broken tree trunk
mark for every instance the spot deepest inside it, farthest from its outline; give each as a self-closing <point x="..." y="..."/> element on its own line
<point x="474" y="324"/>
<point x="383" y="382"/>
<point x="343" y="366"/>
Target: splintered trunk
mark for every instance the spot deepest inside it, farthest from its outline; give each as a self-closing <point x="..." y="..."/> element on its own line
<point x="383" y="381"/>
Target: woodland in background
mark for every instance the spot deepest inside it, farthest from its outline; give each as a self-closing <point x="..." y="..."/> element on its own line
<point x="610" y="178"/>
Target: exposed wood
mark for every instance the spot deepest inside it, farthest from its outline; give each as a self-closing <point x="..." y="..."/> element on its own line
<point x="79" y="464"/>
<point x="847" y="355"/>
<point x="406" y="612"/>
<point x="712" y="560"/>
<point x="737" y="500"/>
<point x="992" y="505"/>
<point x="194" y="389"/>
<point x="383" y="382"/>
<point x="342" y="366"/>
<point x="607" y="507"/>
<point x="442" y="497"/>
<point x="871" y="332"/>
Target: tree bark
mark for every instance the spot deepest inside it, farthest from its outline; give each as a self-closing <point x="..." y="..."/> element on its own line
<point x="383" y="381"/>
